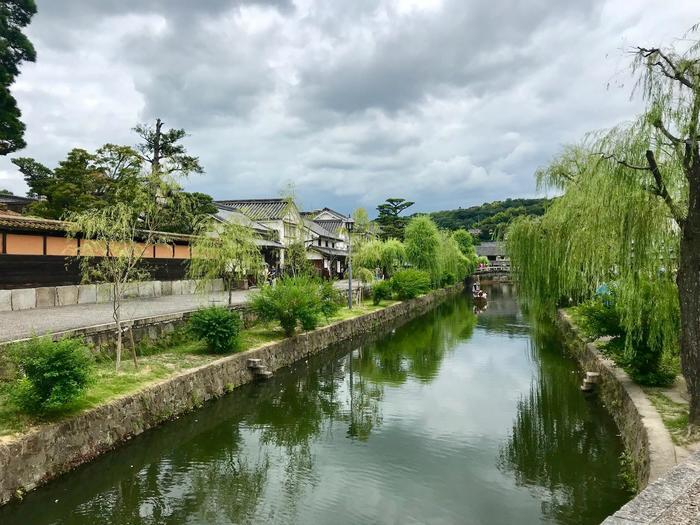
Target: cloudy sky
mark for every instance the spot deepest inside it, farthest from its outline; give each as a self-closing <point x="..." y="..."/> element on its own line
<point x="446" y="102"/>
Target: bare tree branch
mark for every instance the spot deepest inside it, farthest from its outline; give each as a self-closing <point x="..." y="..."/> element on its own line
<point x="664" y="64"/>
<point x="660" y="188"/>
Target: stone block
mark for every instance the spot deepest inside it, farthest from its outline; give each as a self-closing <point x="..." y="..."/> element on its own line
<point x="104" y="293"/>
<point x="176" y="287"/>
<point x="189" y="287"/>
<point x="166" y="288"/>
<point x="217" y="285"/>
<point x="66" y="295"/>
<point x="87" y="294"/>
<point x="157" y="289"/>
<point x="5" y="300"/>
<point x="24" y="299"/>
<point x="131" y="290"/>
<point x="46" y="297"/>
<point x="146" y="289"/>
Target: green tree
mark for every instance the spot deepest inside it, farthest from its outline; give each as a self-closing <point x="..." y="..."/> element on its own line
<point x="637" y="209"/>
<point x="15" y="48"/>
<point x="3" y="191"/>
<point x="295" y="261"/>
<point x="128" y="230"/>
<point x="225" y="251"/>
<point x="389" y="219"/>
<point x="422" y="241"/>
<point x="187" y="211"/>
<point x="465" y="241"/>
<point x="163" y="151"/>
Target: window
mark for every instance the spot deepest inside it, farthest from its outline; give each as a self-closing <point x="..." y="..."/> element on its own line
<point x="319" y="241"/>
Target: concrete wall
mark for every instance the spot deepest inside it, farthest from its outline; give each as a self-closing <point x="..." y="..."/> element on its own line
<point x="46" y="452"/>
<point x="48" y="296"/>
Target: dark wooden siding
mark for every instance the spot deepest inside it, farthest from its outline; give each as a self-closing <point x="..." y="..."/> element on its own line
<point x="30" y="271"/>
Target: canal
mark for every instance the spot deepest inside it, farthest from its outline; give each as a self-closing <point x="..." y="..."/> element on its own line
<point x="457" y="417"/>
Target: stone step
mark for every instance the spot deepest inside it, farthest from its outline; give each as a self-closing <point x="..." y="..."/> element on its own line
<point x="255" y="363"/>
<point x="263" y="374"/>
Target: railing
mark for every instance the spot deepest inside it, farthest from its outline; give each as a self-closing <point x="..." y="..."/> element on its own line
<point x="499" y="267"/>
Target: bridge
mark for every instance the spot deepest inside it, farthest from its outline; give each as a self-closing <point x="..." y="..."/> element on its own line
<point x="499" y="271"/>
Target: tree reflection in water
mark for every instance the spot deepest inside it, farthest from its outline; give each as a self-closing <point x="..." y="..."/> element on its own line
<point x="556" y="430"/>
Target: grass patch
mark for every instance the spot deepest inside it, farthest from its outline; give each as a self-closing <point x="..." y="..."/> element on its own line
<point x="157" y="361"/>
<point x="675" y="417"/>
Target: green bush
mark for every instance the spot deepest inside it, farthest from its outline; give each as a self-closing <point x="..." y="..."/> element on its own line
<point x="447" y="279"/>
<point x="53" y="373"/>
<point x="381" y="291"/>
<point x="598" y="317"/>
<point x="410" y="283"/>
<point x="219" y="327"/>
<point x="331" y="299"/>
<point x="645" y="366"/>
<point x="291" y="301"/>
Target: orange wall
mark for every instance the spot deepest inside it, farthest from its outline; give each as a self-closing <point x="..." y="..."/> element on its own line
<point x="61" y="246"/>
<point x="25" y="244"/>
<point x="93" y="248"/>
<point x="182" y="252"/>
<point x="20" y="244"/>
<point x="164" y="251"/>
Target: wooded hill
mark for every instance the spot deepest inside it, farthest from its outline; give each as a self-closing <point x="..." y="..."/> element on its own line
<point x="492" y="217"/>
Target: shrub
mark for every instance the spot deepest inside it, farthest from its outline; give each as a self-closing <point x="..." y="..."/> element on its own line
<point x="447" y="279"/>
<point x="331" y="299"/>
<point x="410" y="283"/>
<point x="598" y="317"/>
<point x="381" y="291"/>
<point x="54" y="373"/>
<point x="292" y="300"/>
<point x="219" y="327"/>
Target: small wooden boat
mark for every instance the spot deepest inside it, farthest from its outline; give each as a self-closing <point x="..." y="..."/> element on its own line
<point x="479" y="295"/>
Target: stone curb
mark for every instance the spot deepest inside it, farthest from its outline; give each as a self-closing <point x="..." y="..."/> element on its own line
<point x="47" y="451"/>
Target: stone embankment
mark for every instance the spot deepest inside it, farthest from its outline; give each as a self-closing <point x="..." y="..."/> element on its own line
<point x="643" y="432"/>
<point x="672" y="493"/>
<point x="45" y="452"/>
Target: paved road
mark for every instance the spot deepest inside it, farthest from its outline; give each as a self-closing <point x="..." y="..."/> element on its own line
<point x="41" y="321"/>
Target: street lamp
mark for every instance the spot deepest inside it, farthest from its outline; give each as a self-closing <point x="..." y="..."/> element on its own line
<point x="348" y="227"/>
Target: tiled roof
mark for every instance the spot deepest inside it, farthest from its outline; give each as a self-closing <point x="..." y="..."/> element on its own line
<point x="259" y="209"/>
<point x="320" y="230"/>
<point x="332" y="226"/>
<point x="14" y="199"/>
<point x="230" y="214"/>
<point x="490" y="249"/>
<point x="24" y="223"/>
<point x="313" y="213"/>
<point x="329" y="251"/>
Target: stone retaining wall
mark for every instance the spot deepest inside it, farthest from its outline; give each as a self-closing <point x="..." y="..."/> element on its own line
<point x="644" y="435"/>
<point x="50" y="296"/>
<point x="673" y="499"/>
<point x="48" y="451"/>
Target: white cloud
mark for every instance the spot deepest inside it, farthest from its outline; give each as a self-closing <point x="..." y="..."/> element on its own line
<point x="445" y="102"/>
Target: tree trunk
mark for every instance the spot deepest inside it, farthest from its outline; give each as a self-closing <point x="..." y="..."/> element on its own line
<point x="156" y="146"/>
<point x="688" y="280"/>
<point x="118" y="320"/>
<point x="230" y="291"/>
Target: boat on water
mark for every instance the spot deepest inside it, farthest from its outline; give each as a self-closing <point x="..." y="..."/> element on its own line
<point x="478" y="293"/>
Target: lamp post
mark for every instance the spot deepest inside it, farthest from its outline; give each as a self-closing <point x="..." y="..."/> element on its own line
<point x="348" y="227"/>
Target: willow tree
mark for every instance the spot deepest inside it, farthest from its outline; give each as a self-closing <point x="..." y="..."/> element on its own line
<point x="227" y="251"/>
<point x="634" y="212"/>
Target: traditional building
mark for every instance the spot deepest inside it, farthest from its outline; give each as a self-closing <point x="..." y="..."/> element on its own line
<point x="267" y="238"/>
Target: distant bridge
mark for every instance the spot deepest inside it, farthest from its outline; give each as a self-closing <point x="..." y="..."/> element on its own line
<point x="495" y="272"/>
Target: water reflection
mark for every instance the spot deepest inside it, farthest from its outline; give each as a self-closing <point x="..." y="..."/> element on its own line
<point x="451" y="418"/>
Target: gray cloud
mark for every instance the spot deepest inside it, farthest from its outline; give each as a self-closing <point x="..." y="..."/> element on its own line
<point x="446" y="102"/>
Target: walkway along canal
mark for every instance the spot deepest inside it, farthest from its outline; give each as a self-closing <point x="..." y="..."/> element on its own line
<point x="454" y="417"/>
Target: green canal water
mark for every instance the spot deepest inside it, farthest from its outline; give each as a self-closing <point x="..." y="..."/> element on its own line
<point x="454" y="417"/>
